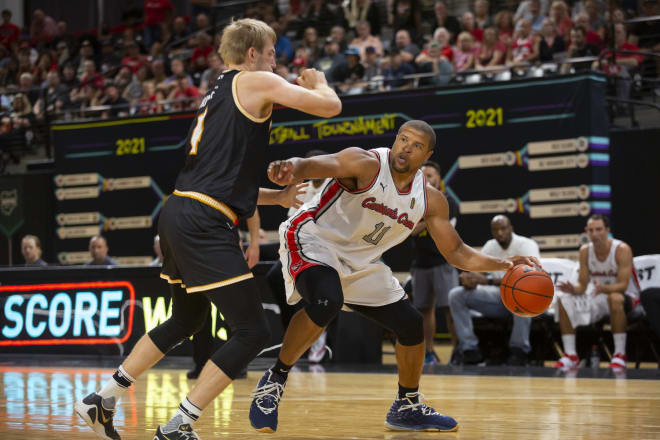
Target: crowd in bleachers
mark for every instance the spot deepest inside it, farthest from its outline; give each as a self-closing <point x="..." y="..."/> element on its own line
<point x="167" y="61"/>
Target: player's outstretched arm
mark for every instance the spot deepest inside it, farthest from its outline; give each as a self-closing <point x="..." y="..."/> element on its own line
<point x="351" y="163"/>
<point x="287" y="197"/>
<point x="312" y="95"/>
<point x="451" y="245"/>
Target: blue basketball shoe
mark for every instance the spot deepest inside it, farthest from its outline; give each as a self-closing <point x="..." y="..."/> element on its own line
<point x="265" y="400"/>
<point x="410" y="414"/>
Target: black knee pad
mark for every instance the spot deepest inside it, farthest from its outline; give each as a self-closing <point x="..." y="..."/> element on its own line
<point x="172" y="332"/>
<point x="412" y="333"/>
<point x="323" y="310"/>
<point x="243" y="346"/>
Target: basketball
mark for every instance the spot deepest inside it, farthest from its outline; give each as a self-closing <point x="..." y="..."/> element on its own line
<point x="526" y="291"/>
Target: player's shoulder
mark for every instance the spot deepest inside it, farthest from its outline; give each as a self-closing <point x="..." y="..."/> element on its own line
<point x="436" y="202"/>
<point x="259" y="79"/>
<point x="623" y="249"/>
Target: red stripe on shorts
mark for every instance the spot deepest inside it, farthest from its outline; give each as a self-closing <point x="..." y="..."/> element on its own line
<point x="297" y="262"/>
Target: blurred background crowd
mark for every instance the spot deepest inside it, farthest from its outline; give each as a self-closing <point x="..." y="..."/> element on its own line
<point x="163" y="60"/>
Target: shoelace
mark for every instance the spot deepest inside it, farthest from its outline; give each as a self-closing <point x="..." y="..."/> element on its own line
<point x="271" y="389"/>
<point x="421" y="406"/>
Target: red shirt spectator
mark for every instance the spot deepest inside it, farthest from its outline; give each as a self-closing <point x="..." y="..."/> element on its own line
<point x="156" y="11"/>
<point x="133" y="58"/>
<point x="201" y="52"/>
<point x="9" y="32"/>
<point x="43" y="27"/>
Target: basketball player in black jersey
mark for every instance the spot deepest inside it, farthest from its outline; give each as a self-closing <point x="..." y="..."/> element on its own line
<point x="203" y="261"/>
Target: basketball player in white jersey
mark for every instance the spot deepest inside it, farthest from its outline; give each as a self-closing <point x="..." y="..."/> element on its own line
<point x="330" y="251"/>
<point x="608" y="263"/>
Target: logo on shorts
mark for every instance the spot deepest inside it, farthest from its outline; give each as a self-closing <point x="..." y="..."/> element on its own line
<point x="323" y="302"/>
<point x="412" y="203"/>
<point x="296" y="266"/>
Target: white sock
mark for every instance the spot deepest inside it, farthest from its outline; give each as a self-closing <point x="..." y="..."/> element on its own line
<point x="619" y="343"/>
<point x="569" y="344"/>
<point x="115" y="388"/>
<point x="187" y="413"/>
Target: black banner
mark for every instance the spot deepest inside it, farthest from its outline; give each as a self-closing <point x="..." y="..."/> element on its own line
<point x="537" y="150"/>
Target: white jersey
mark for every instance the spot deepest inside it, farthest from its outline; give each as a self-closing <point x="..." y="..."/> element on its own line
<point x="310" y="192"/>
<point x="350" y="230"/>
<point x="647" y="268"/>
<point x="605" y="272"/>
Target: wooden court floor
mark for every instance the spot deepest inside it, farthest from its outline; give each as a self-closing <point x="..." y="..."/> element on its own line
<point x="37" y="403"/>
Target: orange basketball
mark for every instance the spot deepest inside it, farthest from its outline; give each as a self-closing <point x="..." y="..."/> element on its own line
<point x="526" y="291"/>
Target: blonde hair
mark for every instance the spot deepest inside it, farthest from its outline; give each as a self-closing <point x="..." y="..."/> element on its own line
<point x="240" y="36"/>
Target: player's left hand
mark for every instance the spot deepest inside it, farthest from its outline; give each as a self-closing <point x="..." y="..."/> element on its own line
<point x="598" y="287"/>
<point x="280" y="172"/>
<point x="529" y="261"/>
<point x="252" y="255"/>
<point x="289" y="195"/>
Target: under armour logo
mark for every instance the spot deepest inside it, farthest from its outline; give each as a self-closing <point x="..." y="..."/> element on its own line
<point x="323" y="302"/>
<point x="383" y="186"/>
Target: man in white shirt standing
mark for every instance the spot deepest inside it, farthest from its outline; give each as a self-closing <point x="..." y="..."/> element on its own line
<point x="481" y="292"/>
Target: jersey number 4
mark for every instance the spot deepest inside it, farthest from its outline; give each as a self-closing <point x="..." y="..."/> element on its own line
<point x="377" y="234"/>
<point x="197" y="132"/>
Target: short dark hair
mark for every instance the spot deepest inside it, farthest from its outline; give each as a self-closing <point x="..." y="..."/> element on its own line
<point x="434" y="165"/>
<point x="580" y="29"/>
<point x="6" y="12"/>
<point x="604" y="218"/>
<point x="422" y="126"/>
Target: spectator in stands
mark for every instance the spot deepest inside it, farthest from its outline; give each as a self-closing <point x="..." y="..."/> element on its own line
<point x="372" y="68"/>
<point x="111" y="97"/>
<point x="283" y="46"/>
<point x="69" y="78"/>
<point x="351" y="73"/>
<point x="158" y="71"/>
<point x="158" y="261"/>
<point x="532" y="10"/>
<point x="432" y="276"/>
<point x="395" y="72"/>
<point x="522" y="51"/>
<point x="405" y="14"/>
<point x="283" y="71"/>
<point x="560" y="17"/>
<point x="155" y="13"/>
<point x="608" y="264"/>
<point x="54" y="91"/>
<point x="180" y="34"/>
<point x="21" y="115"/>
<point x="593" y="10"/>
<point x="86" y="53"/>
<point x="216" y="67"/>
<point x="26" y="85"/>
<point x="442" y="19"/>
<point x="62" y="53"/>
<point x="580" y="48"/>
<point x="406" y="47"/>
<point x="481" y="292"/>
<point x="360" y="10"/>
<point x="491" y="52"/>
<point x="332" y="59"/>
<point x="204" y="47"/>
<point x="9" y="32"/>
<point x="98" y="250"/>
<point x="312" y="45"/>
<point x="625" y="62"/>
<point x="109" y="57"/>
<point x="147" y="103"/>
<point x="186" y="94"/>
<point x="338" y="33"/>
<point x="442" y="37"/>
<point x="592" y="37"/>
<point x="43" y="28"/>
<point x="437" y="63"/>
<point x="364" y="39"/>
<point x="468" y="25"/>
<point x="133" y="59"/>
<point x="31" y="250"/>
<point x="465" y="52"/>
<point x="503" y="22"/>
<point x="202" y="23"/>
<point x="482" y="16"/>
<point x="549" y="42"/>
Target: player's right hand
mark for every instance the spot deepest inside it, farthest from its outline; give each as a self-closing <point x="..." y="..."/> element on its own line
<point x="280" y="172"/>
<point x="310" y="78"/>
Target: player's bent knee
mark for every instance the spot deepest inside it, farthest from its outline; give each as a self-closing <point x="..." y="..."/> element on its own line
<point x="615" y="300"/>
<point x="172" y="332"/>
<point x="323" y="310"/>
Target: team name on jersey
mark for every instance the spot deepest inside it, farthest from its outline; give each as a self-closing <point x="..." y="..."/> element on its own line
<point x="381" y="208"/>
<point x="604" y="274"/>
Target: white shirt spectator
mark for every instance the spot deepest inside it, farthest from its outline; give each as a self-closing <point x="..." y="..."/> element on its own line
<point x="519" y="246"/>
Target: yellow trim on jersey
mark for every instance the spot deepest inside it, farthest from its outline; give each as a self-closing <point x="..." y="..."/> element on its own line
<point x="210" y="201"/>
<point x="171" y="281"/>
<point x="226" y="282"/>
<point x="234" y="92"/>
